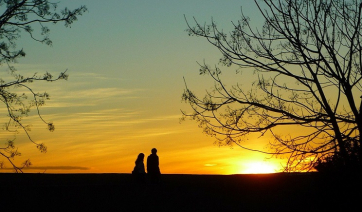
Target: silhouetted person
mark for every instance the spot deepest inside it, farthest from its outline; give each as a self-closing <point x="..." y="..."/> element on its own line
<point x="139" y="169"/>
<point x="153" y="169"/>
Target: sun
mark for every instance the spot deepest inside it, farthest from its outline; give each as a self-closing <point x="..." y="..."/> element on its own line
<point x="259" y="167"/>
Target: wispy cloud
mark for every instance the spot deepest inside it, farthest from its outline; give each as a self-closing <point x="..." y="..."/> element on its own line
<point x="161" y="133"/>
<point x="210" y="164"/>
<point x="96" y="93"/>
<point x="100" y="93"/>
<point x="53" y="168"/>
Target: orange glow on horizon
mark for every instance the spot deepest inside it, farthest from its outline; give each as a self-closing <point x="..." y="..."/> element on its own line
<point x="259" y="167"/>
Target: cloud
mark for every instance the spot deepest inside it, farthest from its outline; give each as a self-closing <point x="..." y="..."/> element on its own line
<point x="109" y="118"/>
<point x="209" y="165"/>
<point x="44" y="168"/>
<point x="156" y="134"/>
<point x="100" y="93"/>
<point x="90" y="97"/>
<point x="97" y="93"/>
<point x="55" y="168"/>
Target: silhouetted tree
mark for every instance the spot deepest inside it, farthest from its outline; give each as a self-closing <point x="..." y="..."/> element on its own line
<point x="307" y="65"/>
<point x="21" y="17"/>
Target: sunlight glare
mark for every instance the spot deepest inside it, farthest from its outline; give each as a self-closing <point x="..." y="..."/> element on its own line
<point x="259" y="168"/>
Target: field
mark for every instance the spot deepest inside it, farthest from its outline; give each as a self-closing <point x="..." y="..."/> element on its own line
<point x="119" y="192"/>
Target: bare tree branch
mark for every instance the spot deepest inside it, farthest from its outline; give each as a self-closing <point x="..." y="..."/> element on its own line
<point x="307" y="59"/>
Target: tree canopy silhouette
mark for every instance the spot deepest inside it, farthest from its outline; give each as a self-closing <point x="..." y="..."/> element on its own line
<point x="19" y="18"/>
<point x="307" y="65"/>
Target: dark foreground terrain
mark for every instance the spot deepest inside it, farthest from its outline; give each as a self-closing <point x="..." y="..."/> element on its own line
<point x="119" y="192"/>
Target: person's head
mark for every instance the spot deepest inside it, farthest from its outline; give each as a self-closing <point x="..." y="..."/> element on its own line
<point x="154" y="151"/>
<point x="140" y="157"/>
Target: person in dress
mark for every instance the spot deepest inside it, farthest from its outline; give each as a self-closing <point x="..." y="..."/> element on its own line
<point x="139" y="169"/>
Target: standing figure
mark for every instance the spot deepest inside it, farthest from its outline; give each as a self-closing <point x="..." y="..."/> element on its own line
<point x="139" y="169"/>
<point x="153" y="169"/>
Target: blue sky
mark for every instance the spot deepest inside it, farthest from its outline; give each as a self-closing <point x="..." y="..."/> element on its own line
<point x="126" y="61"/>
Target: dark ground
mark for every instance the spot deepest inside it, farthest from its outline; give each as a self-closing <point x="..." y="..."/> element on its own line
<point x="119" y="192"/>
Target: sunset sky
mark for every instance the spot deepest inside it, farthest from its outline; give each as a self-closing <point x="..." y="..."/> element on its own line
<point x="126" y="61"/>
